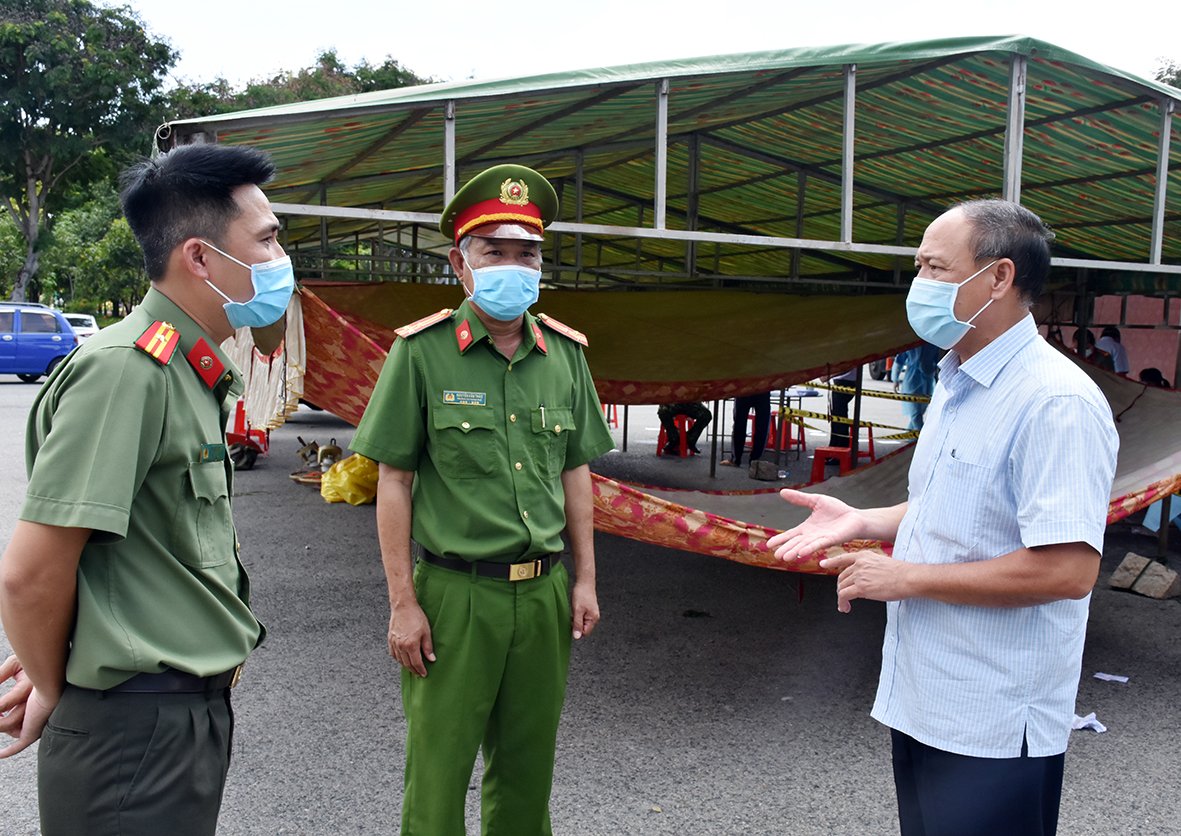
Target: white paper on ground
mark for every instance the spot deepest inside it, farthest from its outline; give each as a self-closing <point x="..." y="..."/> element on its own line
<point x="1111" y="677"/>
<point x="1088" y="722"/>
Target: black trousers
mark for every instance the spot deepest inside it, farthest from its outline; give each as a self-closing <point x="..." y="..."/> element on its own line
<point x="944" y="794"/>
<point x="134" y="764"/>
<point x="838" y="434"/>
<point x="761" y="404"/>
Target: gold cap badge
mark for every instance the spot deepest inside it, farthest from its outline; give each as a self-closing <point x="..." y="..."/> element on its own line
<point x="514" y="192"/>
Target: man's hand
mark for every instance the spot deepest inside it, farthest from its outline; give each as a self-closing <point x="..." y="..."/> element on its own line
<point x="868" y="575"/>
<point x="585" y="606"/>
<point x="12" y="703"/>
<point x="831" y="522"/>
<point x="410" y="637"/>
<point x="23" y="711"/>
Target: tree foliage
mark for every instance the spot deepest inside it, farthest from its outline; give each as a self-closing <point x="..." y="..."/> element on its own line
<point x="92" y="261"/>
<point x="81" y="85"/>
<point x="1169" y="72"/>
<point x="327" y="77"/>
<point x="75" y="77"/>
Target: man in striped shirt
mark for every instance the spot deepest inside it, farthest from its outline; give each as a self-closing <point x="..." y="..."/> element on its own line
<point x="996" y="549"/>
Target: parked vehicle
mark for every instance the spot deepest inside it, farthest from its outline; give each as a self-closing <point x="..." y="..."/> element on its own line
<point x="84" y="325"/>
<point x="33" y="339"/>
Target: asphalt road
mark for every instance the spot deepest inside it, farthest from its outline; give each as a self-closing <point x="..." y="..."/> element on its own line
<point x="713" y="699"/>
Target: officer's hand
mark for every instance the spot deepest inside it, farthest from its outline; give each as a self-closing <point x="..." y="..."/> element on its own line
<point x="830" y="523"/>
<point x="30" y="718"/>
<point x="585" y="605"/>
<point x="410" y="638"/>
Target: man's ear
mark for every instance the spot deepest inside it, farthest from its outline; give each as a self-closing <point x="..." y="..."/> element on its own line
<point x="455" y="257"/>
<point x="194" y="258"/>
<point x="1004" y="273"/>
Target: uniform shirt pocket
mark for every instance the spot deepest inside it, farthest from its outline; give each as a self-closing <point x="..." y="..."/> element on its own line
<point x="551" y="430"/>
<point x="203" y="534"/>
<point x="464" y="441"/>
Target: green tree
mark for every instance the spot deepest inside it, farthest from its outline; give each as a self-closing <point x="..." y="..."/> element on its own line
<point x="1169" y="72"/>
<point x="78" y="83"/>
<point x="327" y="77"/>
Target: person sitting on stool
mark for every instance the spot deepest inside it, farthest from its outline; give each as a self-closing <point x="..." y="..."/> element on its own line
<point x="696" y="411"/>
<point x="760" y="402"/>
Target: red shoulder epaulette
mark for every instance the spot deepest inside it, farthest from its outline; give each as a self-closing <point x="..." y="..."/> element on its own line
<point x="563" y="329"/>
<point x="422" y="324"/>
<point x="159" y="342"/>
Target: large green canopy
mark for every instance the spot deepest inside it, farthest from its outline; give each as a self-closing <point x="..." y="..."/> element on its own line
<point x="816" y="165"/>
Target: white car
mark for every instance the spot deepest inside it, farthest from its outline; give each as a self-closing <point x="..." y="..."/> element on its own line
<point x="83" y="324"/>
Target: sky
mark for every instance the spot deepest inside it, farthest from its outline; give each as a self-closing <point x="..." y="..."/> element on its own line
<point x="455" y="40"/>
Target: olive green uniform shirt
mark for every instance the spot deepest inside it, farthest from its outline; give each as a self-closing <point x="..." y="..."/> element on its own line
<point x="487" y="437"/>
<point x="134" y="449"/>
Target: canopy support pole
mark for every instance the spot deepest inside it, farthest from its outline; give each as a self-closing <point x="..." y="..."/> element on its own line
<point x="691" y="210"/>
<point x="801" y="194"/>
<point x="578" y="194"/>
<point x="448" y="151"/>
<point x="899" y="239"/>
<point x="323" y="233"/>
<point x="847" y="153"/>
<point x="1014" y="130"/>
<point x="1162" y="180"/>
<point x="658" y="221"/>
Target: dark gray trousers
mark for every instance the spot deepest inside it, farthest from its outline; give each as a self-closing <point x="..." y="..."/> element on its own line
<point x="113" y="764"/>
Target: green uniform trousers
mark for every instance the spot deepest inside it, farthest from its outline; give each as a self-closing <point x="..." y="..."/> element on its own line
<point x="503" y="651"/>
<point x="112" y="764"/>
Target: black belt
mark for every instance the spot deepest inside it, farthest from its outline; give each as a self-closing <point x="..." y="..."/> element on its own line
<point x="527" y="570"/>
<point x="177" y="682"/>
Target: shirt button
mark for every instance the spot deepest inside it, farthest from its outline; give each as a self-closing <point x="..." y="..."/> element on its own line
<point x="517" y="465"/>
<point x="466" y="425"/>
<point x="525" y="514"/>
<point x="557" y="428"/>
<point x="513" y="417"/>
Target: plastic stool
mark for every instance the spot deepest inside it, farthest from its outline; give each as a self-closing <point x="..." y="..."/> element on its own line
<point x="683" y="424"/>
<point x="843" y="455"/>
<point x="611" y="413"/>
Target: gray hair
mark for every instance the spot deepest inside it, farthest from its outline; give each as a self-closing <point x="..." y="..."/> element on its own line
<point x="1003" y="229"/>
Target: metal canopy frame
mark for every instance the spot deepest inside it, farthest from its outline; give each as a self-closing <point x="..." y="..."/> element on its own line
<point x="796" y="168"/>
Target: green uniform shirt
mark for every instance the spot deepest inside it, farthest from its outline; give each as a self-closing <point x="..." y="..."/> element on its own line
<point x="135" y="450"/>
<point x="488" y="438"/>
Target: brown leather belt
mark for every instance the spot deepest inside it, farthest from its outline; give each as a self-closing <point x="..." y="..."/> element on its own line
<point x="177" y="682"/>
<point x="527" y="570"/>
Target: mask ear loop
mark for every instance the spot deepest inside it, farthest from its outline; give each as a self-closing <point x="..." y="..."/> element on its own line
<point x="986" y="304"/>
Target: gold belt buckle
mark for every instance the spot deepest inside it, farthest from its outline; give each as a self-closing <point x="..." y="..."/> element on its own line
<point x="524" y="571"/>
<point x="237" y="677"/>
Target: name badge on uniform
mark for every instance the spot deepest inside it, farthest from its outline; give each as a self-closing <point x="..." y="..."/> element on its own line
<point x="212" y="453"/>
<point x="465" y="398"/>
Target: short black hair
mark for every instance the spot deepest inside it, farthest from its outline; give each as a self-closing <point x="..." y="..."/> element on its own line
<point x="1003" y="229"/>
<point x="187" y="193"/>
<point x="1111" y="331"/>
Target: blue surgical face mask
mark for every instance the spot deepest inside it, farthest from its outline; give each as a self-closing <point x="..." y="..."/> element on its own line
<point x="273" y="281"/>
<point x="930" y="308"/>
<point x="504" y="291"/>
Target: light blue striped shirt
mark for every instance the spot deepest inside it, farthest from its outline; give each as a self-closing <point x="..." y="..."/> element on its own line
<point x="1018" y="449"/>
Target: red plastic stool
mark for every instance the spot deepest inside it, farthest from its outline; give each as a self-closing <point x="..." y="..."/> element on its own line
<point x="843" y="455"/>
<point x="683" y="424"/>
<point x="611" y="413"/>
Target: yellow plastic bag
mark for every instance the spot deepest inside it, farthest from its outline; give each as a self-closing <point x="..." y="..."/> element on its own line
<point x="352" y="480"/>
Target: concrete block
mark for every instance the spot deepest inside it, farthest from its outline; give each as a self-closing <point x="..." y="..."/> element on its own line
<point x="1158" y="581"/>
<point x="1129" y="569"/>
<point x="1146" y="577"/>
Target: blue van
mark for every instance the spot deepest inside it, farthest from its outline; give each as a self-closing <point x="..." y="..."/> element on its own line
<point x="33" y="339"/>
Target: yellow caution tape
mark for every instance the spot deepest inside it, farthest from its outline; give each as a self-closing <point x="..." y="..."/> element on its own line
<point x="874" y="393"/>
<point x="836" y="419"/>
